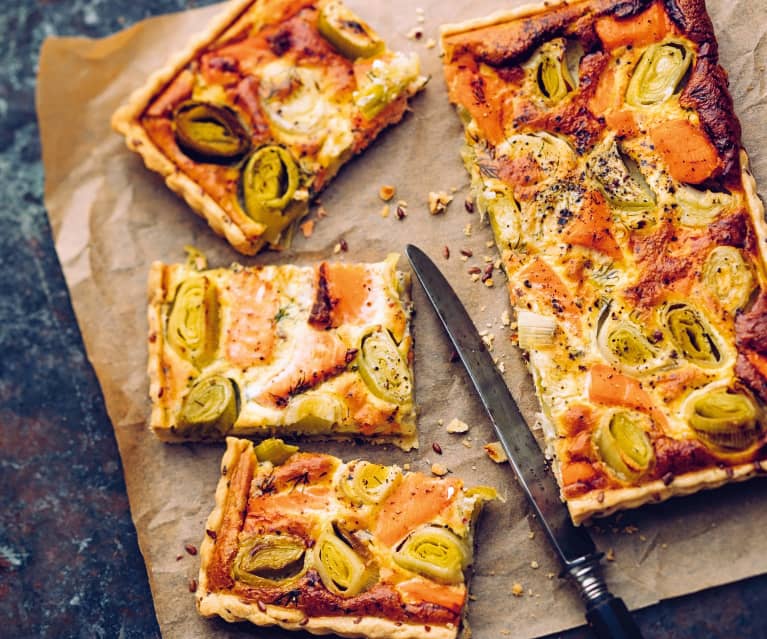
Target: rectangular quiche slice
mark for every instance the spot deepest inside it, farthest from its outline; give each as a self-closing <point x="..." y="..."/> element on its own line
<point x="308" y="542"/>
<point x="321" y="351"/>
<point x="603" y="146"/>
<point x="260" y="111"/>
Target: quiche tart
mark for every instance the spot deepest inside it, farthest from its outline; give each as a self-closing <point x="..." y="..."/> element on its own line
<point x="308" y="542"/>
<point x="603" y="147"/>
<point x="258" y="113"/>
<point x="320" y="351"/>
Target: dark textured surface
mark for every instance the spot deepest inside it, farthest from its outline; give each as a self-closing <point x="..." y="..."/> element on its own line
<point x="69" y="562"/>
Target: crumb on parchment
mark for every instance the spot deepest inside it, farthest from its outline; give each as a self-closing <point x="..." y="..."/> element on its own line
<point x="496" y="453"/>
<point x="438" y="201"/>
<point x="457" y="426"/>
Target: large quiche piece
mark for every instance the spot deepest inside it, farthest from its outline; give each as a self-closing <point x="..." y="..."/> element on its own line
<point x="260" y="111"/>
<point x="308" y="542"/>
<point x="602" y="145"/>
<point x="321" y="351"/>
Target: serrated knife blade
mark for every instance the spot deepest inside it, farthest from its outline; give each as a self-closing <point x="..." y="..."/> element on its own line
<point x="605" y="613"/>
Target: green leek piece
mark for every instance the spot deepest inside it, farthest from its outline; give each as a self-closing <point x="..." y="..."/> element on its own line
<point x="552" y="153"/>
<point x="347" y="33"/>
<point x="274" y="450"/>
<point x="692" y="335"/>
<point x="552" y="73"/>
<point x="192" y="329"/>
<point x="435" y="552"/>
<point x="535" y="330"/>
<point x="725" y="420"/>
<point x="502" y="209"/>
<point x="727" y="275"/>
<point x="210" y="408"/>
<point x="622" y="182"/>
<point x="658" y="74"/>
<point x="629" y="346"/>
<point x="316" y="412"/>
<point x="368" y="483"/>
<point x="383" y="369"/>
<point x="699" y="208"/>
<point x="623" y="444"/>
<point x="270" y="560"/>
<point x="343" y="572"/>
<point x="269" y="180"/>
<point x="385" y="82"/>
<point x="211" y="131"/>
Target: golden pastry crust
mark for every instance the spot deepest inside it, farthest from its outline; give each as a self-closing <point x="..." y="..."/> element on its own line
<point x="633" y="239"/>
<point x="296" y="344"/>
<point x="381" y="610"/>
<point x="251" y="59"/>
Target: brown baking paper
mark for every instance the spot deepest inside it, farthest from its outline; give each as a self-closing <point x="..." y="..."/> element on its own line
<point x="111" y="218"/>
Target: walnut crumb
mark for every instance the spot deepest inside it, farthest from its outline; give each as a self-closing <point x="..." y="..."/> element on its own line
<point x="517" y="589"/>
<point x="457" y="426"/>
<point x="438" y="202"/>
<point x="386" y="192"/>
<point x="439" y="470"/>
<point x="496" y="453"/>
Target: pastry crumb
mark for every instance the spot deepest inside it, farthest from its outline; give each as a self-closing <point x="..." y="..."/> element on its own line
<point x="457" y="426"/>
<point x="439" y="470"/>
<point x="610" y="554"/>
<point x="386" y="192"/>
<point x="321" y="212"/>
<point x="337" y="247"/>
<point x="307" y="228"/>
<point x="489" y="282"/>
<point x="506" y="318"/>
<point x="467" y="230"/>
<point x="496" y="453"/>
<point x="431" y="43"/>
<point x="534" y="565"/>
<point x="385" y="210"/>
<point x="517" y="589"/>
<point x="406" y="466"/>
<point x="531" y="535"/>
<point x="438" y="201"/>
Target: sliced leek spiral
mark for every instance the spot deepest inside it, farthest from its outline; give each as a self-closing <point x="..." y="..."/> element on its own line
<point x="342" y="570"/>
<point x="691" y="334"/>
<point x="622" y="182"/>
<point x="627" y="346"/>
<point x="192" y="329"/>
<point x="727" y="275"/>
<point x="699" y="208"/>
<point x="385" y="82"/>
<point x="552" y="73"/>
<point x="658" y="74"/>
<point x="210" y="409"/>
<point x="552" y="153"/>
<point x="434" y="552"/>
<point x="497" y="202"/>
<point x="367" y="483"/>
<point x="623" y="444"/>
<point x="269" y="181"/>
<point x="270" y="560"/>
<point x="346" y="32"/>
<point x="292" y="99"/>
<point x="383" y="369"/>
<point x="725" y="420"/>
<point x="274" y="450"/>
<point x="211" y="131"/>
<point x="316" y="412"/>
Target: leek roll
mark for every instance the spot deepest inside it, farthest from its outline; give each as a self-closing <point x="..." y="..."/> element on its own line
<point x="383" y="369"/>
<point x="385" y="82"/>
<point x="274" y="450"/>
<point x="434" y="552"/>
<point x="269" y="181"/>
<point x="658" y="74"/>
<point x="270" y="560"/>
<point x="316" y="412"/>
<point x="347" y="33"/>
<point x="367" y="483"/>
<point x="192" y="329"/>
<point x="624" y="344"/>
<point x="699" y="208"/>
<point x="211" y="131"/>
<point x="210" y="408"/>
<point x="342" y="570"/>
<point x="623" y="444"/>
<point x="725" y="420"/>
<point x="553" y="154"/>
<point x="727" y="275"/>
<point x="622" y="182"/>
<point x="692" y="335"/>
<point x="551" y="72"/>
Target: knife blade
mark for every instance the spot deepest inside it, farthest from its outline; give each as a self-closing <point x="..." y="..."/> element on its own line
<point x="606" y="614"/>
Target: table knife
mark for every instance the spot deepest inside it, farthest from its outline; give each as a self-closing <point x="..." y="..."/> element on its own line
<point x="606" y="614"/>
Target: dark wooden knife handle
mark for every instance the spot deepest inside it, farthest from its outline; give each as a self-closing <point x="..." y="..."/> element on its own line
<point x="610" y="619"/>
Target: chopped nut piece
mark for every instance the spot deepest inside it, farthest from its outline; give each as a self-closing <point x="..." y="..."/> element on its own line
<point x="439" y="470"/>
<point x="517" y="590"/>
<point x="489" y="282"/>
<point x="446" y="252"/>
<point x="192" y="585"/>
<point x="385" y="210"/>
<point x="437" y="448"/>
<point x="467" y="252"/>
<point x="534" y="565"/>
<point x="610" y="554"/>
<point x="550" y="575"/>
<point x="386" y="192"/>
<point x="469" y="205"/>
<point x="467" y="230"/>
<point x="440" y="422"/>
<point x="475" y="277"/>
<point x="466" y="443"/>
<point x="438" y="202"/>
<point x="344" y="245"/>
<point x="496" y="453"/>
<point x="321" y="212"/>
<point x="531" y="535"/>
<point x="416" y="33"/>
<point x="191" y="549"/>
<point x="307" y="228"/>
<point x="505" y="318"/>
<point x="431" y="43"/>
<point x="401" y="211"/>
<point x="457" y="426"/>
<point x="406" y="466"/>
<point x="501" y="367"/>
<point x="474" y="270"/>
<point x="337" y="248"/>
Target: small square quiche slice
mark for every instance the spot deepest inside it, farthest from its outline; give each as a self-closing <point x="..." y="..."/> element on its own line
<point x="319" y="351"/>
<point x="603" y="146"/>
<point x="260" y="111"/>
<point x="309" y="542"/>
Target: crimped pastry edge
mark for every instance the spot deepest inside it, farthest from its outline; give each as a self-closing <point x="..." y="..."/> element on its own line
<point x="232" y="609"/>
